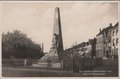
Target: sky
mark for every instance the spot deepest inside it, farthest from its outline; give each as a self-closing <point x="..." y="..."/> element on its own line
<point x="80" y="21"/>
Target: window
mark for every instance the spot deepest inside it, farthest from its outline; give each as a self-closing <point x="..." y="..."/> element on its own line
<point x="109" y="49"/>
<point x="104" y="42"/>
<point x="112" y="51"/>
<point x="116" y="31"/>
<point x="109" y="39"/>
<point x="113" y="42"/>
<point x="113" y="33"/>
<point x="116" y="41"/>
<point x="117" y="50"/>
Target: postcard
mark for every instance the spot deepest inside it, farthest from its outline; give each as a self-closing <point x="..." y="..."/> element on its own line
<point x="42" y="39"/>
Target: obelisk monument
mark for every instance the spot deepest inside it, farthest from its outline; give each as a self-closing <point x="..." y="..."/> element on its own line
<point x="53" y="58"/>
<point x="57" y="41"/>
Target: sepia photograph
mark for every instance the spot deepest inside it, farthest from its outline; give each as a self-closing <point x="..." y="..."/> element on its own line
<point x="59" y="39"/>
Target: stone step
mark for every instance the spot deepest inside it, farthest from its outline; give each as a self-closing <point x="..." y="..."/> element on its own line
<point x="45" y="65"/>
<point x="40" y="65"/>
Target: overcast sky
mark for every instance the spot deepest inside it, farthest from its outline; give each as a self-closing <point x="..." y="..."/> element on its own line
<point x="80" y="20"/>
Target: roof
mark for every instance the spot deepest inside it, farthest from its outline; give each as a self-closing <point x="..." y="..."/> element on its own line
<point x="116" y="25"/>
<point x="105" y="30"/>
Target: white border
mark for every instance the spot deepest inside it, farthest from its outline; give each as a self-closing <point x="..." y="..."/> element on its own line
<point x="62" y="77"/>
<point x="56" y="1"/>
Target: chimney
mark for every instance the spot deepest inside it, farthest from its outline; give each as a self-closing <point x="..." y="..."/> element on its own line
<point x="110" y="24"/>
<point x="100" y="29"/>
<point x="42" y="47"/>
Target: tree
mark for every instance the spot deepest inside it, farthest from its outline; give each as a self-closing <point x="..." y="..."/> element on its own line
<point x="18" y="45"/>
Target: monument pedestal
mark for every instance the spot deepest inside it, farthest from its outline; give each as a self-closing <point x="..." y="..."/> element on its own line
<point x="48" y="61"/>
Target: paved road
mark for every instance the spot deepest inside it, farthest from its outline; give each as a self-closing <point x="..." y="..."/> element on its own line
<point x="42" y="72"/>
<point x="35" y="69"/>
<point x="34" y="72"/>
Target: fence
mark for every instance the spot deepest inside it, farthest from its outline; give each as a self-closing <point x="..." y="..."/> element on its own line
<point x="73" y="64"/>
<point x="17" y="62"/>
<point x="77" y="64"/>
<point x="68" y="65"/>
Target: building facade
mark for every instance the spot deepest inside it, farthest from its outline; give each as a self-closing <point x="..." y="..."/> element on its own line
<point x="103" y="40"/>
<point x="104" y="45"/>
<point x="87" y="48"/>
<point x="107" y="42"/>
<point x="114" y="42"/>
<point x="99" y="45"/>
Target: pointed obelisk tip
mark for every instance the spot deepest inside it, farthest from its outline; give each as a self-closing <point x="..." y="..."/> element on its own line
<point x="57" y="8"/>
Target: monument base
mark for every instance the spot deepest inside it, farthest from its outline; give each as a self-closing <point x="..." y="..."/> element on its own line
<point x="48" y="61"/>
